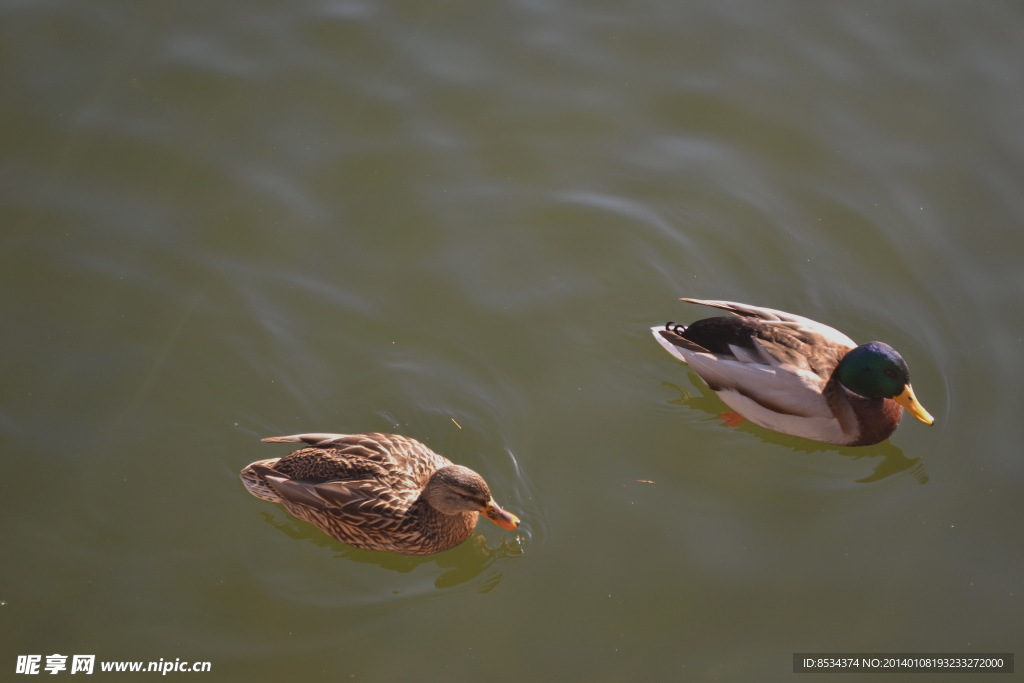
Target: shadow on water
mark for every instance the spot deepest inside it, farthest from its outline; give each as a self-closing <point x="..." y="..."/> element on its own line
<point x="893" y="460"/>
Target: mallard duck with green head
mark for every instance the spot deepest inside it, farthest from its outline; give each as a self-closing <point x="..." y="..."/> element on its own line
<point x="796" y="376"/>
<point x="377" y="491"/>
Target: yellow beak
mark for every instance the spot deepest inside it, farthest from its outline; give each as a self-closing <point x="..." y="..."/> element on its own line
<point x="909" y="401"/>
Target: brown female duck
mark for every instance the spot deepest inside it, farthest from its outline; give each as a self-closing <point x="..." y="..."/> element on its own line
<point x="376" y="491"/>
<point x="796" y="376"/>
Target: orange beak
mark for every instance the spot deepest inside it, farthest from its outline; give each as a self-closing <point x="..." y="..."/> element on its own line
<point x="503" y="518"/>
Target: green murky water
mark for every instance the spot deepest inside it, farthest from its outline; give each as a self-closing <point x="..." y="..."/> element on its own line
<point x="457" y="221"/>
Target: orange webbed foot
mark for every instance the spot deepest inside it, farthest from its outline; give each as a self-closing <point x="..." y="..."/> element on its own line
<point x="731" y="419"/>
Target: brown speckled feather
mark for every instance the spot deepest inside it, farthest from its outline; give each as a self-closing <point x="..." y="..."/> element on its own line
<point x="362" y="489"/>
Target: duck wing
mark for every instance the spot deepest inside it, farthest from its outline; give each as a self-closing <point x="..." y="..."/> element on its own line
<point x="786" y="320"/>
<point x="767" y="364"/>
<point x="357" y="474"/>
<point x="392" y="452"/>
<point x="359" y="503"/>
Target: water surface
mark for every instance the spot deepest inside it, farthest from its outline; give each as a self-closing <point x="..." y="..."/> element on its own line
<point x="458" y="221"/>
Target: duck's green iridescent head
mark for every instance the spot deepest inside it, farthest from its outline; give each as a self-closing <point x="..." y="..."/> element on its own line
<point x="876" y="370"/>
